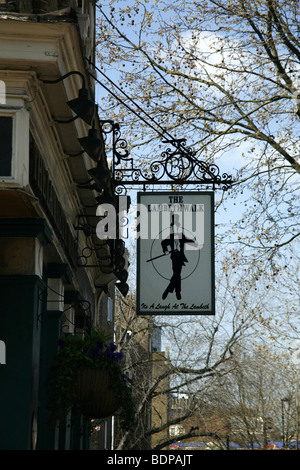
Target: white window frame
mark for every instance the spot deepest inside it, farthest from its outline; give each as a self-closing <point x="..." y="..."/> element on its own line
<point x="20" y="145"/>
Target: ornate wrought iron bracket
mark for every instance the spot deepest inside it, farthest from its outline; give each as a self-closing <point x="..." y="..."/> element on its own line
<point x="92" y="246"/>
<point x="177" y="166"/>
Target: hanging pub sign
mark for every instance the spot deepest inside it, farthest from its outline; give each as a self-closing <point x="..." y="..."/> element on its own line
<point x="175" y="253"/>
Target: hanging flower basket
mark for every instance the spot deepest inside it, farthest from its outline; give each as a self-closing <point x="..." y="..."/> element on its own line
<point x="94" y="395"/>
<point x="86" y="374"/>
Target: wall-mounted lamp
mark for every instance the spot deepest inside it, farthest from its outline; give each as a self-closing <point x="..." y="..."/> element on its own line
<point x="100" y="175"/>
<point x="119" y="262"/>
<point x="82" y="106"/>
<point x="106" y="198"/>
<point x="119" y="247"/>
<point x="103" y="287"/>
<point x="92" y="145"/>
<point x="106" y="266"/>
<point x="121" y="275"/>
<point x="123" y="288"/>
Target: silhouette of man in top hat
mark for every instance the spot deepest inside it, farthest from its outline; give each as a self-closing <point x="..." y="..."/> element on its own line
<point x="176" y="243"/>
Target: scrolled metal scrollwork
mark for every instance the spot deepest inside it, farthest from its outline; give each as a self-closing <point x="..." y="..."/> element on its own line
<point x="177" y="164"/>
<point x="120" y="151"/>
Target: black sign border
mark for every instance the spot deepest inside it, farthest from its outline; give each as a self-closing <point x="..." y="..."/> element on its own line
<point x="209" y="312"/>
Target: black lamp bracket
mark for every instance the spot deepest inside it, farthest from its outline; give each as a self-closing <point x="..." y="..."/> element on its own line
<point x="82" y="106"/>
<point x="63" y="77"/>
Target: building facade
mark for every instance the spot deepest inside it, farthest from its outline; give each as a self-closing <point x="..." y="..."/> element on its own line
<point x="54" y="274"/>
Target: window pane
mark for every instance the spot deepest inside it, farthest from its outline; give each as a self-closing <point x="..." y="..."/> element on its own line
<point x="5" y="145"/>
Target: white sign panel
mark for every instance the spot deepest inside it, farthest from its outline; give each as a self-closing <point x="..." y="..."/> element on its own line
<point x="175" y="253"/>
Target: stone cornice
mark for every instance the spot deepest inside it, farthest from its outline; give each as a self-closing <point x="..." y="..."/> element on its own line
<point x="26" y="227"/>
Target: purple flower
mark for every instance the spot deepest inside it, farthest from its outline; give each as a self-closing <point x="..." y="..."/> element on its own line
<point x="112" y="346"/>
<point x="94" y="353"/>
<point x="120" y="355"/>
<point x="108" y="354"/>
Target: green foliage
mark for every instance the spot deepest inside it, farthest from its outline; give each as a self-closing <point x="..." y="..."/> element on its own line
<point x="93" y="351"/>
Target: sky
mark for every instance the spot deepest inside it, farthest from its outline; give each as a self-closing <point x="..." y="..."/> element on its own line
<point x="227" y="214"/>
